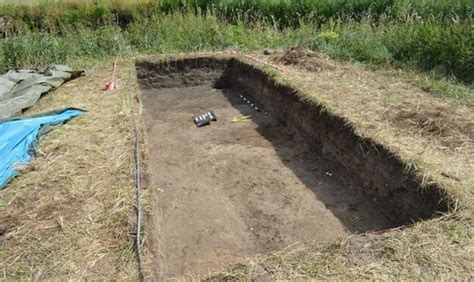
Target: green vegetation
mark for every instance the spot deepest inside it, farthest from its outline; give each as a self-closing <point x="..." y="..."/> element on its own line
<point x="433" y="36"/>
<point x="45" y="14"/>
<point x="446" y="48"/>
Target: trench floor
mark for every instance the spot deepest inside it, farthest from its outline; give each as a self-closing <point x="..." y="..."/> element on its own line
<point x="228" y="191"/>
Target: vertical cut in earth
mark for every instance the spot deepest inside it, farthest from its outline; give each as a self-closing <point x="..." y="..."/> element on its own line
<point x="256" y="181"/>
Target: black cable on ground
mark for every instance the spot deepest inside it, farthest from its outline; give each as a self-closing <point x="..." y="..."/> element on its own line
<point x="141" y="271"/>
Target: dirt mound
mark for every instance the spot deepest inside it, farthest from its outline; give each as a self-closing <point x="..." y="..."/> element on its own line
<point x="449" y="128"/>
<point x="305" y="58"/>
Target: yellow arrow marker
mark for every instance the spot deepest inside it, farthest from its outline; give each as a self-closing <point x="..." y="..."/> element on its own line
<point x="243" y="118"/>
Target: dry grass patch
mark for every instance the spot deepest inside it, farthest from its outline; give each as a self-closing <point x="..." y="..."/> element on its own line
<point x="71" y="214"/>
<point x="306" y="59"/>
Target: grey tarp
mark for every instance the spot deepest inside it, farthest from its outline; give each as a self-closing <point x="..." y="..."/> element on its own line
<point x="22" y="88"/>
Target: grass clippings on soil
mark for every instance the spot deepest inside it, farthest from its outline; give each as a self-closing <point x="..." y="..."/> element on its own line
<point x="71" y="214"/>
<point x="448" y="128"/>
<point x="300" y="56"/>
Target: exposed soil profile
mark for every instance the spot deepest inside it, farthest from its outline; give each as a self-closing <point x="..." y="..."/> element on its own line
<point x="291" y="173"/>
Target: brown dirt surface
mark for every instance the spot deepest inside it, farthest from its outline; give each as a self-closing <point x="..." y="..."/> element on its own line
<point x="228" y="191"/>
<point x="305" y="58"/>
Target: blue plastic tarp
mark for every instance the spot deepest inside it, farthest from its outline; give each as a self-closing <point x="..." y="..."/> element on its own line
<point x="18" y="136"/>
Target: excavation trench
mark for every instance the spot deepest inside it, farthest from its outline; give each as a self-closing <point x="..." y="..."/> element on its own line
<point x="291" y="173"/>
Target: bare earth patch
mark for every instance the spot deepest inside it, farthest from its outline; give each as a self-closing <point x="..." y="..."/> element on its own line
<point x="380" y="107"/>
<point x="233" y="190"/>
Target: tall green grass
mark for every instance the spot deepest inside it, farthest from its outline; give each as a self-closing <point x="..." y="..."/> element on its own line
<point x="431" y="45"/>
<point x="49" y="14"/>
<point x="430" y="35"/>
<point x="163" y="34"/>
<point x="434" y="45"/>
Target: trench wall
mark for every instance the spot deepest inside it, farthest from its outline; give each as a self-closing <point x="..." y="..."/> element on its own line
<point x="378" y="173"/>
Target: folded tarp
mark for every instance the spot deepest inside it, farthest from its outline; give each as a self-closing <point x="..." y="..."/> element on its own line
<point x="19" y="135"/>
<point x="22" y="88"/>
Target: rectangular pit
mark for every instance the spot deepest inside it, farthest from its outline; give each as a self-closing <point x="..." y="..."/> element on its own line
<point x="293" y="173"/>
